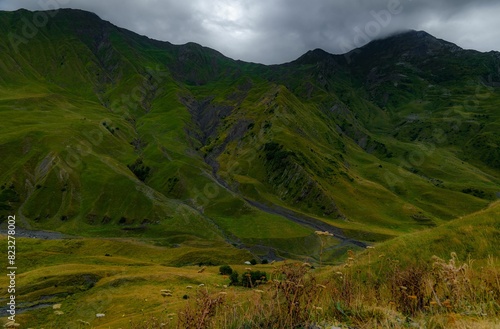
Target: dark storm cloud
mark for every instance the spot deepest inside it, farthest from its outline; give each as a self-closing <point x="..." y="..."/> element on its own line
<point x="275" y="31"/>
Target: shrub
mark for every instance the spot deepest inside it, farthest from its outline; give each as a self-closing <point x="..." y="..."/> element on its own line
<point x="234" y="279"/>
<point x="225" y="270"/>
<point x="253" y="262"/>
<point x="251" y="279"/>
<point x="200" y="314"/>
<point x="140" y="170"/>
<point x="295" y="296"/>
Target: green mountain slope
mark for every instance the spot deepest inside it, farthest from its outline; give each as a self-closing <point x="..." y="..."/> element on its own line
<point x="108" y="133"/>
<point x="475" y="235"/>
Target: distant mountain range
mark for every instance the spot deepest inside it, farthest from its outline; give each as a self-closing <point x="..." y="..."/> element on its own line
<point x="108" y="133"/>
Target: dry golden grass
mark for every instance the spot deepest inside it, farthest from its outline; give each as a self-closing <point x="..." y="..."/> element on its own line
<point x="438" y="294"/>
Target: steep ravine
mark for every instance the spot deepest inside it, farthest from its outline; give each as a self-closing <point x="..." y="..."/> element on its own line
<point x="206" y="117"/>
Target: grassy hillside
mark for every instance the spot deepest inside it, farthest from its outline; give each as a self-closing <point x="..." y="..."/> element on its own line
<point x="474" y="236"/>
<point x="105" y="133"/>
<point x="124" y="279"/>
<point x="89" y="276"/>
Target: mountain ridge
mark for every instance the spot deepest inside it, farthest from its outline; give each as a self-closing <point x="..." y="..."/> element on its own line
<point x="395" y="35"/>
<point x="110" y="133"/>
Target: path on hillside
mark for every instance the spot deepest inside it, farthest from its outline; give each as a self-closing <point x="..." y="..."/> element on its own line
<point x="35" y="234"/>
<point x="307" y="221"/>
<point x="301" y="219"/>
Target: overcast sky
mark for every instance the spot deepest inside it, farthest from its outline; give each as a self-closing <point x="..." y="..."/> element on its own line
<point x="277" y="31"/>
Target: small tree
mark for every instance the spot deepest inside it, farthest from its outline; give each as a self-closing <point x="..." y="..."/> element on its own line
<point x="225" y="270"/>
<point x="233" y="279"/>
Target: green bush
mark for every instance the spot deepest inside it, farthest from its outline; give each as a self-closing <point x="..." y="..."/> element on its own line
<point x="140" y="170"/>
<point x="225" y="270"/>
<point x="233" y="279"/>
<point x="251" y="279"/>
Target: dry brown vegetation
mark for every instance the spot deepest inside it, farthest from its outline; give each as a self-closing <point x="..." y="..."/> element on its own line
<point x="438" y="294"/>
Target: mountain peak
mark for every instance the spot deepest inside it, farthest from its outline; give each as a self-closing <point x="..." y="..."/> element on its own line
<point x="412" y="33"/>
<point x="313" y="56"/>
<point x="404" y="44"/>
<point x="414" y="39"/>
